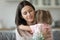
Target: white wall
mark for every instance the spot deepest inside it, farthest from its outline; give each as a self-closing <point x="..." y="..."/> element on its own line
<point x="55" y="13"/>
<point x="8" y="11"/>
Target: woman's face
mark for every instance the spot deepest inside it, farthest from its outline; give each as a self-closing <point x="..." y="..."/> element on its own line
<point x="28" y="13"/>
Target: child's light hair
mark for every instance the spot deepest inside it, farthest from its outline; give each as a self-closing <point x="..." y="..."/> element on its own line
<point x="43" y="16"/>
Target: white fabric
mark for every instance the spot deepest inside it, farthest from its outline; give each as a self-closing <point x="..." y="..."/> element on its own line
<point x="26" y="37"/>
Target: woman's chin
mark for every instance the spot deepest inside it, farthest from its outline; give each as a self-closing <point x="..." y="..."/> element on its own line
<point x="30" y="20"/>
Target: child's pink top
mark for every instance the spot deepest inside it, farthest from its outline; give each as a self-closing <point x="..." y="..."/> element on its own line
<point x="43" y="27"/>
<point x="34" y="27"/>
<point x="39" y="26"/>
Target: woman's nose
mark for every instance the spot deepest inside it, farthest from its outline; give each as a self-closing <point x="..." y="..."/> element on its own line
<point x="28" y="13"/>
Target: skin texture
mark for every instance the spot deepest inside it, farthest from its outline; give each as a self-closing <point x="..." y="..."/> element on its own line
<point x="26" y="28"/>
<point x="28" y="14"/>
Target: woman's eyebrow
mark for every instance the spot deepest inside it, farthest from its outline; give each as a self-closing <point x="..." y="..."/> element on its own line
<point x="30" y="8"/>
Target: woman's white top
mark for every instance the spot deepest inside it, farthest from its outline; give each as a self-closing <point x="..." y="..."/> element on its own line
<point x="26" y="35"/>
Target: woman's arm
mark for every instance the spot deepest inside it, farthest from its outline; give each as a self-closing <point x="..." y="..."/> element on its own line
<point x="23" y="27"/>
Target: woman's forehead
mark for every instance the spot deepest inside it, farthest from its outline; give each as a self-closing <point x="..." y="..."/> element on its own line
<point x="26" y="8"/>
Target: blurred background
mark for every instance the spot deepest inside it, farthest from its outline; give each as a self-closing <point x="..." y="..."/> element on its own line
<point x="8" y="12"/>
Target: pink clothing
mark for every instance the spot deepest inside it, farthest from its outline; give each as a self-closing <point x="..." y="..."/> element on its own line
<point x="44" y="28"/>
<point x="34" y="27"/>
<point x="39" y="26"/>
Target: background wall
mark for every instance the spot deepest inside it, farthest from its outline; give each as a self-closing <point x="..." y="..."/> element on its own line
<point x="8" y="11"/>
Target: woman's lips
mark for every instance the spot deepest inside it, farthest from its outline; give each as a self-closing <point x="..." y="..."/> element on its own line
<point x="30" y="17"/>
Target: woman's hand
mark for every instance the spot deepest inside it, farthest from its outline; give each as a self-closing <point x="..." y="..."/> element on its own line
<point x="46" y="30"/>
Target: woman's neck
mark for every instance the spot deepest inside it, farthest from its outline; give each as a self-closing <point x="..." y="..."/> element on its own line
<point x="29" y="23"/>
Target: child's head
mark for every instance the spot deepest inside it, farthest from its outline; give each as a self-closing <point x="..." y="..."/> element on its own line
<point x="43" y="16"/>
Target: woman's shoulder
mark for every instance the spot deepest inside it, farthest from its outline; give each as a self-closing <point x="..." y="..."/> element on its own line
<point x="25" y="35"/>
<point x="18" y="36"/>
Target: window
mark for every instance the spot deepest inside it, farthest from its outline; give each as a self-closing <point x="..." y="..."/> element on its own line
<point x="35" y="2"/>
<point x="57" y="2"/>
<point x="46" y="2"/>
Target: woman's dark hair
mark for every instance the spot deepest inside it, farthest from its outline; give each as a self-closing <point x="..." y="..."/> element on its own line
<point x="19" y="19"/>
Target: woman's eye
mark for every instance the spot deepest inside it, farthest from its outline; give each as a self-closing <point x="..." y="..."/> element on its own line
<point x="25" y="13"/>
<point x="30" y="11"/>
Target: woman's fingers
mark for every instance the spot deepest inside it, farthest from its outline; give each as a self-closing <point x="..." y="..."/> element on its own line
<point x="46" y="30"/>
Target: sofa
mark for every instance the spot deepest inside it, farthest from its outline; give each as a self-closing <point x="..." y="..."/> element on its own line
<point x="12" y="36"/>
<point x="7" y="36"/>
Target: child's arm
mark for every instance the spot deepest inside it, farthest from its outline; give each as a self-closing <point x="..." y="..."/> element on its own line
<point x="23" y="27"/>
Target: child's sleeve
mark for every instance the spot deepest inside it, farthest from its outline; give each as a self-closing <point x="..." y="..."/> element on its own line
<point x="36" y="27"/>
<point x="37" y="35"/>
<point x="33" y="28"/>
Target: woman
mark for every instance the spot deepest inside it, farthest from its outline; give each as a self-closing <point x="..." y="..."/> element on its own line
<point x="24" y="16"/>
